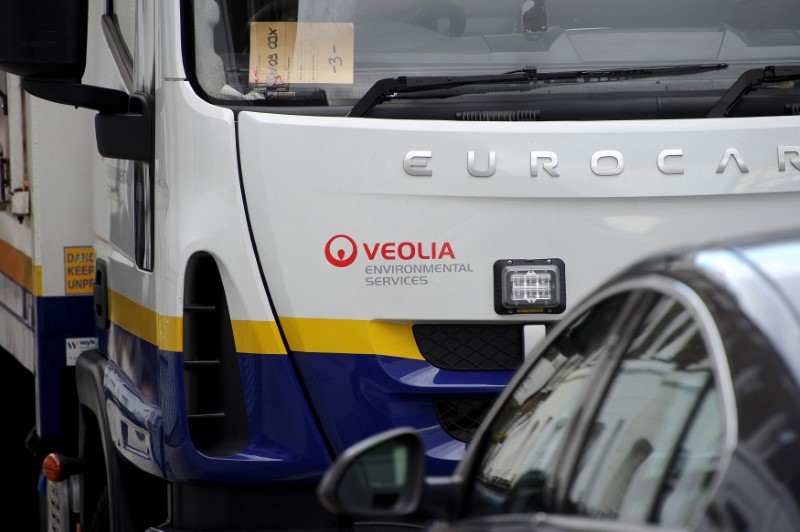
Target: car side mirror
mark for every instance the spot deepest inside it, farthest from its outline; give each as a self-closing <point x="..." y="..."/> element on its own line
<point x="381" y="476"/>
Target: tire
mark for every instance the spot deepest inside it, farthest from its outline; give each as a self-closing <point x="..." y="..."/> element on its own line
<point x="101" y="521"/>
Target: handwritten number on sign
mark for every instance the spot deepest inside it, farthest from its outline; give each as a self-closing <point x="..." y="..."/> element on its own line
<point x="334" y="62"/>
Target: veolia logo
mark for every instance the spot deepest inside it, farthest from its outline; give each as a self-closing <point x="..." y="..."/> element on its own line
<point x="341" y="251"/>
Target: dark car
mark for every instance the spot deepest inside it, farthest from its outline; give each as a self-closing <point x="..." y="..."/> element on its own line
<point x="670" y="398"/>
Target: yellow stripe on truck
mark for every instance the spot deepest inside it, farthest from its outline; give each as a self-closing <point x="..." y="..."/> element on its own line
<point x="39" y="288"/>
<point x="313" y="335"/>
<point x="18" y="267"/>
<point x="317" y="335"/>
<point x="258" y="337"/>
<point x="166" y="332"/>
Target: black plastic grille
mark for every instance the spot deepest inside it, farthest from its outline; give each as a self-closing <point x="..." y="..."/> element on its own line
<point x="512" y="115"/>
<point x="470" y="347"/>
<point x="460" y="418"/>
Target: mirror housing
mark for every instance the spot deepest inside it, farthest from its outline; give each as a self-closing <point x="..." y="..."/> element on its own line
<point x="43" y="39"/>
<point x="381" y="476"/>
<point x="127" y="135"/>
<point x="384" y="476"/>
<point x="124" y="124"/>
<point x="44" y="42"/>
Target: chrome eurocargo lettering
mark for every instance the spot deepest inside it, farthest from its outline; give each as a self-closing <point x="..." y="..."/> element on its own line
<point x="662" y="162"/>
<point x="732" y="153"/>
<point x="604" y="163"/>
<point x="607" y="169"/>
<point x="416" y="163"/>
<point x="474" y="171"/>
<point x="549" y="166"/>
<point x="794" y="157"/>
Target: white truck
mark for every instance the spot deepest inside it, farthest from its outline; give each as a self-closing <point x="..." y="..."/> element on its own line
<point x="239" y="236"/>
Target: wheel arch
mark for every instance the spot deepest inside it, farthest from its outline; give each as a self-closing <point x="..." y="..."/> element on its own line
<point x="137" y="499"/>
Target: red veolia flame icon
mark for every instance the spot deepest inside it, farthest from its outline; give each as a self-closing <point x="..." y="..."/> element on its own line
<point x="341" y="243"/>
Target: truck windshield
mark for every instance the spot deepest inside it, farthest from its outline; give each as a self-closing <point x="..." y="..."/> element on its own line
<point x="329" y="53"/>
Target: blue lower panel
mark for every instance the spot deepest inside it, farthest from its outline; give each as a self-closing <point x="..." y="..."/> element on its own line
<point x="146" y="388"/>
<point x="356" y="396"/>
<point x="57" y="319"/>
<point x="285" y="444"/>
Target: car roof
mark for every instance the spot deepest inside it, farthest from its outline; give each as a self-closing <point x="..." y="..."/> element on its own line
<point x="761" y="272"/>
<point x="777" y="258"/>
<point x="774" y="256"/>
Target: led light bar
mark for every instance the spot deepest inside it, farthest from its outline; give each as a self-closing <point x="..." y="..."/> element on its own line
<point x="529" y="286"/>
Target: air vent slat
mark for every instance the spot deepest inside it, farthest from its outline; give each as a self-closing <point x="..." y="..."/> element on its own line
<point x="194" y="307"/>
<point x="192" y="364"/>
<point x="514" y="115"/>
<point x="211" y="415"/>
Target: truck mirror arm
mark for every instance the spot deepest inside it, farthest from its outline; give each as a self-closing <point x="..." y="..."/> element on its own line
<point x="124" y="124"/>
<point x="79" y="95"/>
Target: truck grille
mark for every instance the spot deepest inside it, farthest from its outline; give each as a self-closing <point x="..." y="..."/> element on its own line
<point x="460" y="418"/>
<point x="470" y="347"/>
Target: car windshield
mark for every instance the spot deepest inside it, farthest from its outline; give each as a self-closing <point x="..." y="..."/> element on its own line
<point x="330" y="52"/>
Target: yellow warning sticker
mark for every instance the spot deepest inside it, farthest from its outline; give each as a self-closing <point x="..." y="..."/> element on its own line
<point x="301" y="52"/>
<point x="79" y="270"/>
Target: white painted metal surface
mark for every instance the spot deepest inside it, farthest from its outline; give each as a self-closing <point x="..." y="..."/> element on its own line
<point x="310" y="179"/>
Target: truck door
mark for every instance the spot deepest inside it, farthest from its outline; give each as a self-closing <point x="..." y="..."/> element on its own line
<point x="125" y="217"/>
<point x="128" y="31"/>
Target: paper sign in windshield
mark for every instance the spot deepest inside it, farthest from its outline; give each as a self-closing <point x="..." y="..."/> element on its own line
<point x="300" y="52"/>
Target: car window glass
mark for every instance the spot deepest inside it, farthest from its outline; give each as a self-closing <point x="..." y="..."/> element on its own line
<point x="655" y="442"/>
<point x="529" y="429"/>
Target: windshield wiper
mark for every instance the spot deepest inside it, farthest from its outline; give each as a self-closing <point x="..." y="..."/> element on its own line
<point x="749" y="81"/>
<point x="386" y="89"/>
